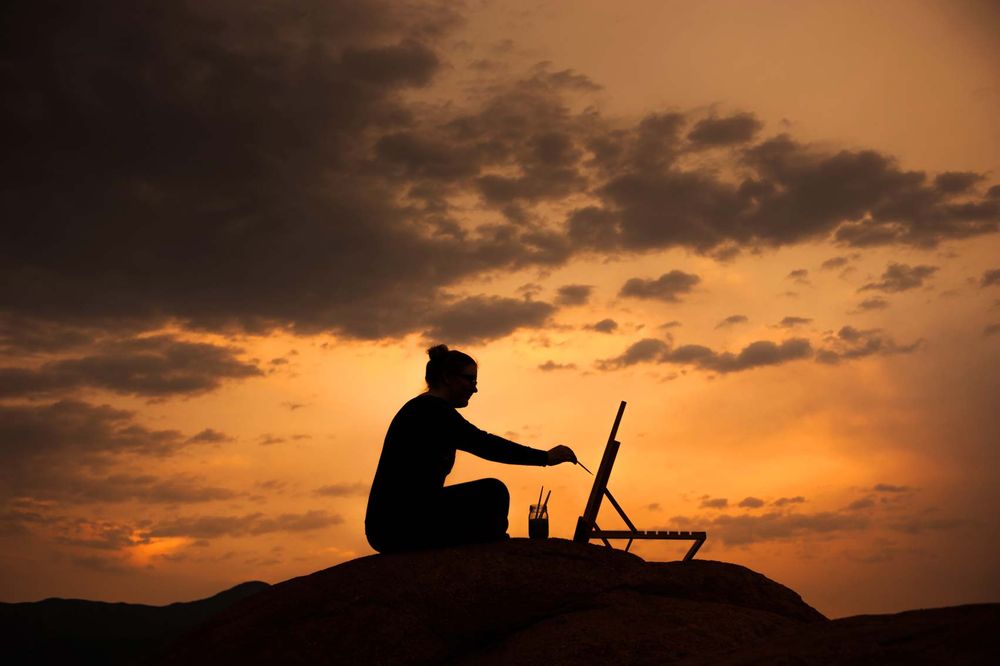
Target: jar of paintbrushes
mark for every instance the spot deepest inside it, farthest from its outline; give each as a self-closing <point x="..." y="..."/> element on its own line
<point x="538" y="517"/>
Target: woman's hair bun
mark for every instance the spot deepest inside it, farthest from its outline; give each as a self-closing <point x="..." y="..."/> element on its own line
<point x="444" y="362"/>
<point x="437" y="351"/>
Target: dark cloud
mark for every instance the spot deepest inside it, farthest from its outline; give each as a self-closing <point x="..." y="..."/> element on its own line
<point x="991" y="329"/>
<point x="220" y="166"/>
<point x="751" y="502"/>
<point x="604" y="326"/>
<point x="479" y="318"/>
<point x="792" y="322"/>
<point x="756" y="354"/>
<point x="901" y="277"/>
<point x="574" y="294"/>
<point x="61" y="450"/>
<point x="739" y="128"/>
<point x="873" y="304"/>
<point x="956" y="182"/>
<point x="732" y="320"/>
<point x="791" y="193"/>
<point x="343" y="490"/>
<point x="668" y="287"/>
<point x="714" y="503"/>
<point x="255" y="524"/>
<point x="159" y="366"/>
<point x="240" y="137"/>
<point x="851" y="343"/>
<point x="784" y="501"/>
<point x="990" y="277"/>
<point x="550" y="365"/>
<point x="25" y="336"/>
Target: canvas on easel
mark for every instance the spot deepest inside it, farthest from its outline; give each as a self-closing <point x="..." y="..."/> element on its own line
<point x="586" y="525"/>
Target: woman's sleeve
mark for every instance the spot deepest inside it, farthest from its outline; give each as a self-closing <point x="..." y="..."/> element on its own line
<point x="468" y="437"/>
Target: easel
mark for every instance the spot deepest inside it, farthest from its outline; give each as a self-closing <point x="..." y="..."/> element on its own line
<point x="586" y="525"/>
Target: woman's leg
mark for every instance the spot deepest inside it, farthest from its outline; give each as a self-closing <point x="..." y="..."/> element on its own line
<point x="471" y="512"/>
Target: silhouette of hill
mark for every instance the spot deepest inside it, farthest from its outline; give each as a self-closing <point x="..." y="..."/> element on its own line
<point x="558" y="602"/>
<point x="74" y="631"/>
<point x="519" y="601"/>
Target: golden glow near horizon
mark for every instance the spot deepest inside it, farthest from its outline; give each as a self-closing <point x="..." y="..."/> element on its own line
<point x="867" y="485"/>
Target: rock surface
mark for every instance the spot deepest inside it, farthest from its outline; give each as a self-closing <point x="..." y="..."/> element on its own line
<point x="519" y="601"/>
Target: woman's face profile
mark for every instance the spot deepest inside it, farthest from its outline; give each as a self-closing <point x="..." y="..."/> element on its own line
<point x="462" y="385"/>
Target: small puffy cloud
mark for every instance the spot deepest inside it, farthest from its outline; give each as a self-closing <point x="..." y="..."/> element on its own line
<point x="604" y="326"/>
<point x="145" y="488"/>
<point x="990" y="277"/>
<point x="643" y="351"/>
<point x="799" y="276"/>
<point x="668" y="287"/>
<point x="890" y="488"/>
<point x="785" y="501"/>
<point x="851" y="343"/>
<point x="745" y="528"/>
<point x="925" y="522"/>
<point x="574" y="294"/>
<point x="343" y="490"/>
<point x="480" y="318"/>
<point x="269" y="439"/>
<point x="873" y="304"/>
<point x="834" y="262"/>
<point x="751" y="503"/>
<point x="214" y="526"/>
<point x="735" y="129"/>
<point x="792" y="322"/>
<point x="209" y="436"/>
<point x="732" y="320"/>
<point x="756" y="354"/>
<point x="550" y="365"/>
<point x="900" y="277"/>
<point x="714" y="503"/>
<point x="860" y="504"/>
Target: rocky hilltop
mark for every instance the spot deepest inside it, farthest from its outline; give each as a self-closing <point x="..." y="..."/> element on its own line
<point x="558" y="602"/>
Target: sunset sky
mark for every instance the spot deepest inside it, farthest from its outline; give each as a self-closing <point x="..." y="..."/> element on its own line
<point x="231" y="230"/>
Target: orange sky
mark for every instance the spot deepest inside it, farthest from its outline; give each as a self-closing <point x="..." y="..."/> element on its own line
<point x="209" y="325"/>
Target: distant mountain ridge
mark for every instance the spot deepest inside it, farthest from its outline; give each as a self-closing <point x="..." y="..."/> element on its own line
<point x="76" y="631"/>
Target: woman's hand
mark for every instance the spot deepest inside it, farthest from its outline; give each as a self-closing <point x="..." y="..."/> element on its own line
<point x="561" y="454"/>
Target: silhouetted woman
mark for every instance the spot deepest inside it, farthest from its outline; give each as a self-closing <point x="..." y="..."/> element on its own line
<point x="409" y="507"/>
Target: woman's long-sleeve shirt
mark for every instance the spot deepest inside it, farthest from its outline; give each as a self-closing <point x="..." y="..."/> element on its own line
<point x="419" y="452"/>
